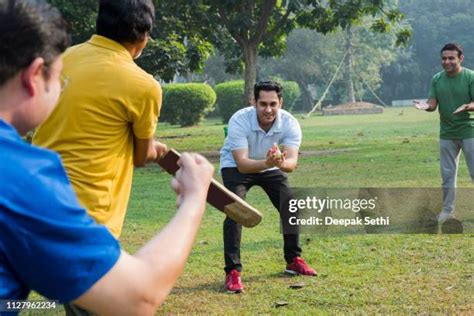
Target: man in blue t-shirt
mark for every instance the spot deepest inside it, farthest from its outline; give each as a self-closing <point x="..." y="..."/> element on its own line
<point x="251" y="156"/>
<point x="48" y="243"/>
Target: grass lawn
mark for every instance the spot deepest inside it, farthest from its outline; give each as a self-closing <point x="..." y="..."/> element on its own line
<point x="359" y="274"/>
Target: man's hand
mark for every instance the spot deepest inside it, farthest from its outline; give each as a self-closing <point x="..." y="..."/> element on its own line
<point x="147" y="150"/>
<point x="160" y="149"/>
<point x="275" y="158"/>
<point x="421" y="105"/>
<point x="191" y="182"/>
<point x="464" y="108"/>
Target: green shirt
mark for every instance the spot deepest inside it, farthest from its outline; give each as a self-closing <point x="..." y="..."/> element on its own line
<point x="451" y="93"/>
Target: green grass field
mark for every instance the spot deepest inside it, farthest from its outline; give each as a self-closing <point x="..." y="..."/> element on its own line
<point x="358" y="274"/>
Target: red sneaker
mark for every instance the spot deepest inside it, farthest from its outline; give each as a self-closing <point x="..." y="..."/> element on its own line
<point x="233" y="283"/>
<point x="298" y="266"/>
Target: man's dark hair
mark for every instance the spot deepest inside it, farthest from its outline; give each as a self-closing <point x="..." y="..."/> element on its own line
<point x="29" y="29"/>
<point x="125" y="20"/>
<point x="453" y="46"/>
<point x="267" y="85"/>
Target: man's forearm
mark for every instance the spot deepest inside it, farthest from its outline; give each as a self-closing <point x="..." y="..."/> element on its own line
<point x="251" y="165"/>
<point x="470" y="107"/>
<point x="139" y="284"/>
<point x="166" y="254"/>
<point x="289" y="165"/>
<point x="433" y="105"/>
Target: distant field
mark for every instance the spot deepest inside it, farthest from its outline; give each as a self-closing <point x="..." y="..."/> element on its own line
<point x="400" y="274"/>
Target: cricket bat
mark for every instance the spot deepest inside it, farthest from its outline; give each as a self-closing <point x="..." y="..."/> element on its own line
<point x="218" y="195"/>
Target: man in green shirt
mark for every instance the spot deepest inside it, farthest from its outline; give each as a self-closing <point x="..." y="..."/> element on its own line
<point x="452" y="92"/>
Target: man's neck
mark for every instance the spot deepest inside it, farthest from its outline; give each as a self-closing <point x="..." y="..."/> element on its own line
<point x="267" y="127"/>
<point x="454" y="73"/>
<point x="132" y="49"/>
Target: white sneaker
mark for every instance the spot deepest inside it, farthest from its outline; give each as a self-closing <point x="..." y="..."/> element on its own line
<point x="443" y="217"/>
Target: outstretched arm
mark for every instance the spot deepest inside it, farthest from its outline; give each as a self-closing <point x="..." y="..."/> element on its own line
<point x="429" y="106"/>
<point x="138" y="284"/>
<point x="465" y="108"/>
<point x="247" y="165"/>
<point x="287" y="161"/>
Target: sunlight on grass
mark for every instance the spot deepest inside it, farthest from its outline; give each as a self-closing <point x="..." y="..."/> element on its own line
<point x="358" y="274"/>
<point x="397" y="274"/>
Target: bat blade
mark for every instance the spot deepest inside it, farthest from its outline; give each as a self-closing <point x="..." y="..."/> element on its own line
<point x="218" y="195"/>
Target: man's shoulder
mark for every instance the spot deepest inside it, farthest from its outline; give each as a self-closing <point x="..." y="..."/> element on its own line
<point x="468" y="72"/>
<point x="23" y="163"/>
<point x="287" y="117"/>
<point x="146" y="83"/>
<point x="438" y="76"/>
<point x="243" y="114"/>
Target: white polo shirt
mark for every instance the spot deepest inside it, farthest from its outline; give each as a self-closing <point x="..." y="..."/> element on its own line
<point x="244" y="132"/>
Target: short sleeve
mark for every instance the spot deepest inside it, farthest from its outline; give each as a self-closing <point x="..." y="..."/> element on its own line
<point x="433" y="93"/>
<point x="145" y="112"/>
<point x="52" y="245"/>
<point x="237" y="133"/>
<point x="292" y="136"/>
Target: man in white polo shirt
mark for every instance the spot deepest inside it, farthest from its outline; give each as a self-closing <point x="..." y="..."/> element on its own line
<point x="247" y="159"/>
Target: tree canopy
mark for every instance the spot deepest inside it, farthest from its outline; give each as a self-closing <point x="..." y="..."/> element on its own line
<point x="434" y="23"/>
<point x="249" y="28"/>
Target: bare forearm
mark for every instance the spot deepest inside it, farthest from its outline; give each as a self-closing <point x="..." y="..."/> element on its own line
<point x="251" y="166"/>
<point x="166" y="254"/>
<point x="145" y="151"/>
<point x="289" y="165"/>
<point x="139" y="284"/>
<point x="470" y="107"/>
<point x="433" y="103"/>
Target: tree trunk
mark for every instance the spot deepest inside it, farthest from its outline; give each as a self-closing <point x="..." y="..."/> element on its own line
<point x="349" y="81"/>
<point x="250" y="60"/>
<point x="308" y="101"/>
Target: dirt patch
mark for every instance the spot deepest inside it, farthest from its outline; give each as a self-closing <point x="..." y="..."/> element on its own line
<point x="353" y="108"/>
<point x="175" y="136"/>
<point x="214" y="156"/>
<point x="325" y="152"/>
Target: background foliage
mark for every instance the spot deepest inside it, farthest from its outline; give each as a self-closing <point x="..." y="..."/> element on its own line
<point x="187" y="104"/>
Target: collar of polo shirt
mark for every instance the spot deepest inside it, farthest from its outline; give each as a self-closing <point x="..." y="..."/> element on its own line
<point x="276" y="127"/>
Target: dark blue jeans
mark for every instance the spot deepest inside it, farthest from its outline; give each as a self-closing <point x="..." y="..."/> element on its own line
<point x="275" y="184"/>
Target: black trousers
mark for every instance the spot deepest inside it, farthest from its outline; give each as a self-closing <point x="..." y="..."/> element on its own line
<point x="275" y="185"/>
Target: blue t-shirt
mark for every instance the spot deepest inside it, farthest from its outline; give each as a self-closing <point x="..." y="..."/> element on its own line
<point x="245" y="132"/>
<point x="48" y="243"/>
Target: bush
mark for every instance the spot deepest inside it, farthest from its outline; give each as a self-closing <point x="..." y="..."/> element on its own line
<point x="187" y="103"/>
<point x="291" y="93"/>
<point x="230" y="96"/>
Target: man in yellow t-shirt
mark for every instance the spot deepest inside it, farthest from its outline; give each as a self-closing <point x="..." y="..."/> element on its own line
<point x="106" y="117"/>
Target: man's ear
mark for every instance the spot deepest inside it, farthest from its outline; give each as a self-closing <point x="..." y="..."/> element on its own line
<point x="281" y="102"/>
<point x="253" y="101"/>
<point x="32" y="75"/>
<point x="461" y="58"/>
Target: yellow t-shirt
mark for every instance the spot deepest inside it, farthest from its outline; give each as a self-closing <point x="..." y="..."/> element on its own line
<point x="107" y="101"/>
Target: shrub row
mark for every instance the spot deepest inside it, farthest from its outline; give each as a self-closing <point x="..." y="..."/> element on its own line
<point x="188" y="103"/>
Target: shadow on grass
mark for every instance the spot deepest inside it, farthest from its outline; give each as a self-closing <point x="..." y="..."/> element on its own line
<point x="218" y="286"/>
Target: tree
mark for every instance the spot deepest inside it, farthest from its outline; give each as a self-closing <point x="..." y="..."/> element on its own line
<point x="80" y="15"/>
<point x="250" y="27"/>
<point x="179" y="44"/>
<point x="311" y="60"/>
<point x="434" y="24"/>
